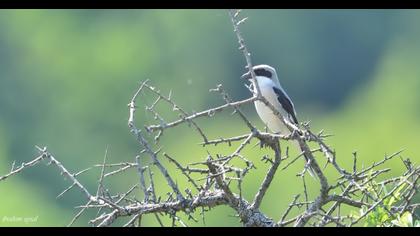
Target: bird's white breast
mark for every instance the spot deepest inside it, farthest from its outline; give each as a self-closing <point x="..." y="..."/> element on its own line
<point x="264" y="112"/>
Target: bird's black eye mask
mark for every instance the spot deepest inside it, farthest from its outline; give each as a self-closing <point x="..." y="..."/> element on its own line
<point x="262" y="72"/>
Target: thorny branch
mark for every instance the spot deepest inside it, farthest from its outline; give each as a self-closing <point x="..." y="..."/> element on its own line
<point x="211" y="176"/>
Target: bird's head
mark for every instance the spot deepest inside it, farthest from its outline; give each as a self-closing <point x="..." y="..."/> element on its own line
<point x="261" y="70"/>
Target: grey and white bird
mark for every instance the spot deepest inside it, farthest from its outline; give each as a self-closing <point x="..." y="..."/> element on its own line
<point x="274" y="93"/>
<point x="268" y="82"/>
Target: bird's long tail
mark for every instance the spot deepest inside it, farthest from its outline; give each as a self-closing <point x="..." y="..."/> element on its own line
<point x="307" y="159"/>
<point x="308" y="166"/>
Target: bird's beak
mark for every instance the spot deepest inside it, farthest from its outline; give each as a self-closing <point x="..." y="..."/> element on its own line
<point x="246" y="76"/>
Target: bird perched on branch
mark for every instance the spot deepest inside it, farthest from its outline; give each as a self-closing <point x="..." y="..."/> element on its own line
<point x="273" y="92"/>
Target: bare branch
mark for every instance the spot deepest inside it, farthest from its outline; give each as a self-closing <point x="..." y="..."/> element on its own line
<point x="210" y="180"/>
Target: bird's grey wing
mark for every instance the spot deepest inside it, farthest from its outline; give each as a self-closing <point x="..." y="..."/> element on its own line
<point x="286" y="103"/>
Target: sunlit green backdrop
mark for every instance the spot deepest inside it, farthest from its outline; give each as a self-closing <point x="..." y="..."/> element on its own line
<point x="66" y="77"/>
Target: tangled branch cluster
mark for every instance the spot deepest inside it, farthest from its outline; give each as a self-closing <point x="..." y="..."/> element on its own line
<point x="220" y="181"/>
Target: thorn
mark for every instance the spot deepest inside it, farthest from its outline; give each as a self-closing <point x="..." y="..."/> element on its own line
<point x="237" y="13"/>
<point x="241" y="21"/>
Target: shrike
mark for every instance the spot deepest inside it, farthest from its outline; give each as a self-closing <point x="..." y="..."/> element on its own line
<point x="274" y="93"/>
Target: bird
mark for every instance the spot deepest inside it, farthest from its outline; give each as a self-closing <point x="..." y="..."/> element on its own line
<point x="273" y="92"/>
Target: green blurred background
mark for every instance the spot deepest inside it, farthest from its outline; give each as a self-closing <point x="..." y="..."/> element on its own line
<point x="66" y="77"/>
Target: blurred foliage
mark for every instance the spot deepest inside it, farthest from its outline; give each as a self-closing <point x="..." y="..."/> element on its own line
<point x="380" y="216"/>
<point x="67" y="75"/>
